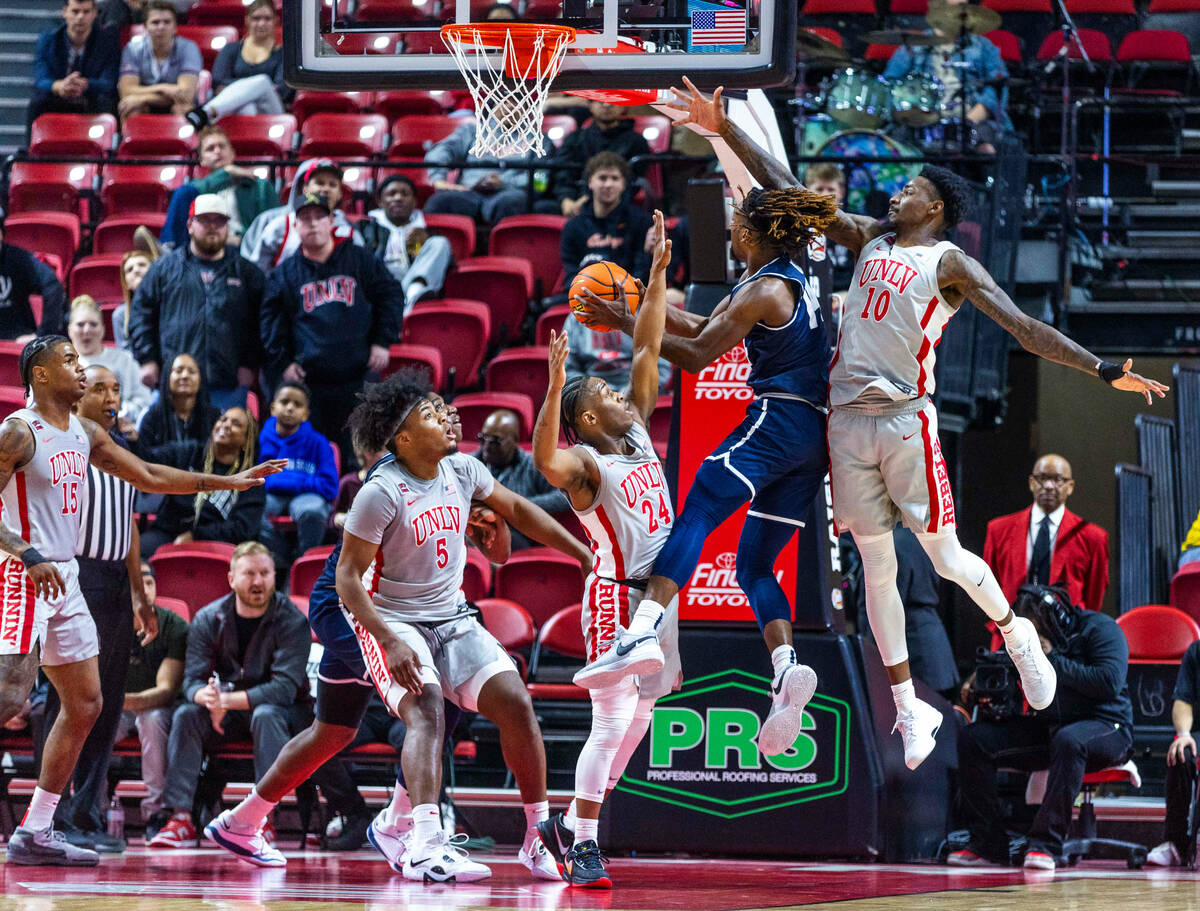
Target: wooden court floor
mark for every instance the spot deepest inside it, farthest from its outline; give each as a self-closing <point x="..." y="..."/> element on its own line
<point x="205" y="880"/>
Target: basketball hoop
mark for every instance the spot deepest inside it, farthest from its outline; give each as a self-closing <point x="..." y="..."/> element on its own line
<point x="509" y="97"/>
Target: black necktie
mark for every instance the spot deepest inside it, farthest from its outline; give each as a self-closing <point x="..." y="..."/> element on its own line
<point x="1039" y="562"/>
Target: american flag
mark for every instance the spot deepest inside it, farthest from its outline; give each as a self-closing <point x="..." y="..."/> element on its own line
<point x="719" y="27"/>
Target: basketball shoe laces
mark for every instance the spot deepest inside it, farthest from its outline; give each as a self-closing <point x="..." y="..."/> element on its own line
<point x="591" y="858"/>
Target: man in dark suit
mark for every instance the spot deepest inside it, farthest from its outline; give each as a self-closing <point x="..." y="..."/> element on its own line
<point x="1047" y="544"/>
<point x="75" y="66"/>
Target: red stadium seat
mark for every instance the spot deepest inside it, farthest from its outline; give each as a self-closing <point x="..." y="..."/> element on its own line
<point x="520" y="370"/>
<point x="140" y="188"/>
<point x="424" y="43"/>
<point x="477" y="575"/>
<point x="210" y="38"/>
<point x="417" y="134"/>
<point x="306" y="570"/>
<point x="162" y="135"/>
<point x="267" y="136"/>
<point x="1157" y="633"/>
<point x="56" y="233"/>
<point x="1018" y="6"/>
<point x="98" y="275"/>
<point x="115" y="234"/>
<point x="880" y="51"/>
<point x="908" y="7"/>
<point x="1174" y="6"/>
<point x="358" y="44"/>
<point x="1110" y="7"/>
<point x="656" y="130"/>
<point x="1007" y="43"/>
<point x="409" y="103"/>
<point x="85" y="135"/>
<point x="393" y="10"/>
<point x="37" y="186"/>
<point x="12" y="398"/>
<point x="557" y="126"/>
<point x="1096" y="43"/>
<point x="562" y="633"/>
<point x="176" y="606"/>
<point x="305" y="104"/>
<point x="660" y="424"/>
<point x="833" y="36"/>
<point x="554" y="318"/>
<point x="459" y="329"/>
<point x="425" y="356"/>
<point x="458" y="229"/>
<point x="218" y="12"/>
<point x="541" y="580"/>
<point x="1185" y="590"/>
<point x="1154" y="46"/>
<point x="838" y="7"/>
<point x="343" y="135"/>
<point x="192" y="576"/>
<point x="473" y="409"/>
<point x="535" y="238"/>
<point x="221" y="548"/>
<point x="508" y="622"/>
<point x="10" y="356"/>
<point x="505" y="282"/>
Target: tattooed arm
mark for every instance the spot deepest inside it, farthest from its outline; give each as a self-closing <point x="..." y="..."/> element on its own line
<point x="16" y="449"/>
<point x="961" y="277"/>
<point x="154" y="478"/>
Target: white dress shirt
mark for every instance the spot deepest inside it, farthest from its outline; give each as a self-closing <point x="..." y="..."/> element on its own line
<point x="1035" y="524"/>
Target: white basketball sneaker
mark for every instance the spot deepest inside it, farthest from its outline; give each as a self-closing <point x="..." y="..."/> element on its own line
<point x="1038" y="678"/>
<point x="790" y="692"/>
<point x="625" y="657"/>
<point x="536" y="858"/>
<point x="391" y="842"/>
<point x="440" y="861"/>
<point x="919" y="730"/>
<point x="251" y="847"/>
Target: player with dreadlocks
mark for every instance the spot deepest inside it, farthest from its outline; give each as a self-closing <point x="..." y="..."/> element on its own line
<point x="776" y="458"/>
<point x="886" y="463"/>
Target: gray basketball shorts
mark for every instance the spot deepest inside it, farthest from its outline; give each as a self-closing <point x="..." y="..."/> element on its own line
<point x="887" y="468"/>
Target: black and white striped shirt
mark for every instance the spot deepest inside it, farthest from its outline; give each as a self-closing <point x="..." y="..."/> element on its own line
<point x="106" y="517"/>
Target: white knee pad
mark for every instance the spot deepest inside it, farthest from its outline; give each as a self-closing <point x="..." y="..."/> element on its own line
<point x="884" y="608"/>
<point x="612" y="713"/>
<point x="637" y="730"/>
<point x="966" y="570"/>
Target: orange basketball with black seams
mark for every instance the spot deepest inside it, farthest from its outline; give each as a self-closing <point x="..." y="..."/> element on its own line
<point x="603" y="279"/>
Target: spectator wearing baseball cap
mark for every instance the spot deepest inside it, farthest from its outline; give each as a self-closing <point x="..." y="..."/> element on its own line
<point x="21" y="275"/>
<point x="272" y="236"/>
<point x="203" y="299"/>
<point x="330" y="311"/>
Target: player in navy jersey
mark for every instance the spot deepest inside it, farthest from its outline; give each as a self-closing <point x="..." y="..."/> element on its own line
<point x="776" y="458"/>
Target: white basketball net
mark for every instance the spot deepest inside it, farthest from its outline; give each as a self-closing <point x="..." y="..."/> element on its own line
<point x="508" y="109"/>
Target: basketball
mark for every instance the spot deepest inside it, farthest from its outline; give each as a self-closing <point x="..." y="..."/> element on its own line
<point x="603" y="279"/>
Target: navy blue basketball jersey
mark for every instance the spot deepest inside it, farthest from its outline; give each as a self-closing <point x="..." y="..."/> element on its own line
<point x="793" y="359"/>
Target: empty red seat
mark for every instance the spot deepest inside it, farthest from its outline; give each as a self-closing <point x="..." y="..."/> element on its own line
<point x="541" y="580"/>
<point x="837" y="7"/>
<point x="210" y="38"/>
<point x="557" y="126"/>
<point x="115" y="234"/>
<point x="1008" y="44"/>
<point x="508" y="621"/>
<point x="459" y="329"/>
<point x="10" y="368"/>
<point x="880" y="51"/>
<point x="1154" y="46"/>
<point x="554" y="318"/>
<point x="150" y="135"/>
<point x="1185" y="589"/>
<point x="423" y="356"/>
<point x="458" y="229"/>
<point x="306" y="104"/>
<point x="417" y="134"/>
<point x="833" y="36"/>
<point x="393" y="10"/>
<point x="505" y="282"/>
<point x="12" y="398"/>
<point x="1174" y="6"/>
<point x="660" y="424"/>
<point x="260" y="135"/>
<point x="37" y="186"/>
<point x="221" y="548"/>
<point x="656" y="130"/>
<point x="1018" y="6"/>
<point x="356" y="44"/>
<point x="140" y="188"/>
<point x="1095" y="42"/>
<point x="343" y="135"/>
<point x="176" y="606"/>
<point x="218" y="12"/>
<point x="192" y="576"/>
<point x="1108" y="7"/>
<point x="520" y="370"/>
<point x="306" y="570"/>
<point x="98" y="275"/>
<point x="1158" y="633"/>
<point x="474" y="408"/>
<point x="563" y="635"/>
<point x="535" y="238"/>
<point x="908" y="7"/>
<point x="409" y="103"/>
<point x="424" y="43"/>
<point x="56" y="233"/>
<point x="85" y="135"/>
<point x="477" y="575"/>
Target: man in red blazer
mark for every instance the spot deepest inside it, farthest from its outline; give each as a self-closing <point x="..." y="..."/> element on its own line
<point x="1048" y="544"/>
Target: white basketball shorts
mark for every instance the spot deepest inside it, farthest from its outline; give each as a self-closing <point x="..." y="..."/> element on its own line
<point x="63" y="626"/>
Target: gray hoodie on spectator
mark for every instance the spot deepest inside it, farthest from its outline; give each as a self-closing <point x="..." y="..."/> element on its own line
<point x="457" y="147"/>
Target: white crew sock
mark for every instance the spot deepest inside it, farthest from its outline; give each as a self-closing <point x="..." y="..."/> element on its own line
<point x="250" y="813"/>
<point x="40" y="814"/>
<point x="783" y="657"/>
<point x="537" y="812"/>
<point x="1014" y="634"/>
<point x="905" y="696"/>
<point x="570" y="820"/>
<point x="646" y="618"/>
<point x="399" y="811"/>
<point x="427" y="823"/>
<point x="587" y="830"/>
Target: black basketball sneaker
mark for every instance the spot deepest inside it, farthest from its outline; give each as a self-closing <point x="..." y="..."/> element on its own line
<point x="557" y="838"/>
<point x="584" y="867"/>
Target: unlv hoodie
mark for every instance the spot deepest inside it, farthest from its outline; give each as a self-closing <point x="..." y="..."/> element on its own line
<point x="310" y="467"/>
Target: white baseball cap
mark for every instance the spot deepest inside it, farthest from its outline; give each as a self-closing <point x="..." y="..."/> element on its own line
<point x="208" y="204"/>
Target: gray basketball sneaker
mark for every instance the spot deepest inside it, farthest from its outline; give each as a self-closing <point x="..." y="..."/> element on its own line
<point x="47" y="848"/>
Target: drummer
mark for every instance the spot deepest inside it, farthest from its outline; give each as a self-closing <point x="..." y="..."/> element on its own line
<point x="978" y="65"/>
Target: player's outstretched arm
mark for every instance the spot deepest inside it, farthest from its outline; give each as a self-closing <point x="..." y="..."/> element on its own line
<point x="16" y="449"/>
<point x="649" y="325"/>
<point x="964" y="277"/>
<point x="154" y="478"/>
<point x="570" y="470"/>
<point x="356" y="558"/>
<point x="537" y="524"/>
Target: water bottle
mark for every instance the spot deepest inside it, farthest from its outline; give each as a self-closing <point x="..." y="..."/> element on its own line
<point x="116" y="818"/>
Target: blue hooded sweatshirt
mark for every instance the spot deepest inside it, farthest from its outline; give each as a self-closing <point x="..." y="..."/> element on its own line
<point x="310" y="467"/>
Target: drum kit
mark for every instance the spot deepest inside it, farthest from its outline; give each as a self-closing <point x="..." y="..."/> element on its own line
<point x="857" y="113"/>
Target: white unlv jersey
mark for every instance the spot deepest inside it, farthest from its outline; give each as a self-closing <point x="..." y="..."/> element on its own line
<point x="630" y="519"/>
<point x="892" y="319"/>
<point x="42" y="499"/>
<point x="420" y="527"/>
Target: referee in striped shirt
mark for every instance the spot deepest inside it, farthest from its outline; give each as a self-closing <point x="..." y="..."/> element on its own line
<point x="111" y="580"/>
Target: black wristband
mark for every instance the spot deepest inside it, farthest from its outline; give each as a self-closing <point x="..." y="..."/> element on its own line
<point x="1109" y="372"/>
<point x="31" y="557"/>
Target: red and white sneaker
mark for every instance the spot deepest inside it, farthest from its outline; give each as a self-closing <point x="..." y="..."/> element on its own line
<point x="967" y="858"/>
<point x="177" y="833"/>
<point x="1039" y="860"/>
<point x="268" y="832"/>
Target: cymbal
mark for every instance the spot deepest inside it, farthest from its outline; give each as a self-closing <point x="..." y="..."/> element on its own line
<point x="812" y="46"/>
<point x="954" y="20"/>
<point x="906" y="36"/>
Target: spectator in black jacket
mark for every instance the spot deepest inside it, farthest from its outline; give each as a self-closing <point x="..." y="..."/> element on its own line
<point x="217" y="515"/>
<point x="1088" y="727"/>
<point x="330" y="312"/>
<point x="204" y="299"/>
<point x="608" y="132"/>
<point x="610" y="227"/>
<point x="21" y="275"/>
<point x="75" y="65"/>
<point x="180" y="414"/>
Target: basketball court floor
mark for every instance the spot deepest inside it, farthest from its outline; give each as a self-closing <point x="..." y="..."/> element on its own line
<point x="206" y="880"/>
